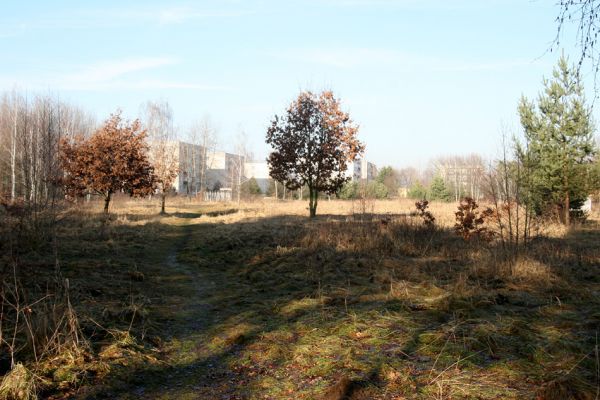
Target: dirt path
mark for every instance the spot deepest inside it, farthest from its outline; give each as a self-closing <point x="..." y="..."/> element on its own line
<point x="183" y="318"/>
<point x="242" y="316"/>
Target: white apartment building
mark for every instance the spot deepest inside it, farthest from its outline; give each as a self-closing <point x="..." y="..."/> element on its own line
<point x="361" y="170"/>
<point x="222" y="170"/>
<point x="188" y="158"/>
<point x="200" y="168"/>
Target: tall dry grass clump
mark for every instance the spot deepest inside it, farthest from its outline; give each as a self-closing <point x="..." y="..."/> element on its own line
<point x="19" y="384"/>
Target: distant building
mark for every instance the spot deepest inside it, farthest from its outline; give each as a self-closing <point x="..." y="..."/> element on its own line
<point x="218" y="170"/>
<point x="403" y="192"/>
<point x="189" y="161"/>
<point x="361" y="170"/>
<point x="222" y="170"/>
<point x="465" y="179"/>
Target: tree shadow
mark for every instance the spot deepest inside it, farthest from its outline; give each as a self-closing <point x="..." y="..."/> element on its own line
<point x="285" y="303"/>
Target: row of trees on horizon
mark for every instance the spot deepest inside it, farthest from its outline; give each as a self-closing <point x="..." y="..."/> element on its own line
<point x="49" y="149"/>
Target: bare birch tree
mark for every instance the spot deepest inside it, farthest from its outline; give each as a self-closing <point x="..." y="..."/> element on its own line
<point x="164" y="154"/>
<point x="30" y="132"/>
<point x="242" y="154"/>
<point x="203" y="135"/>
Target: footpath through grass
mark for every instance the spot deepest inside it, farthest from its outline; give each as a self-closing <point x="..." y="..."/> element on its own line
<point x="218" y="304"/>
<point x="285" y="308"/>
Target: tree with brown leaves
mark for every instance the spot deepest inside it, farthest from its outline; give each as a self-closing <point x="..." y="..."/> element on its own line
<point x="114" y="159"/>
<point x="312" y="145"/>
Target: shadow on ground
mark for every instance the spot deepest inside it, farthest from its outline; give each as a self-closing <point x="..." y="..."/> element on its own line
<point x="289" y="308"/>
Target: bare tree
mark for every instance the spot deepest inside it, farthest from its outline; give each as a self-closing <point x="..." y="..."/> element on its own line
<point x="241" y="155"/>
<point x="585" y="15"/>
<point x="164" y="151"/>
<point x="30" y="131"/>
<point x="463" y="174"/>
<point x="203" y="135"/>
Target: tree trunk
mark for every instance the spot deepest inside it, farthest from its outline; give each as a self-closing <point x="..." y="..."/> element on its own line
<point x="107" y="202"/>
<point x="163" y="197"/>
<point x="567" y="199"/>
<point x="312" y="203"/>
<point x="13" y="159"/>
<point x="567" y="206"/>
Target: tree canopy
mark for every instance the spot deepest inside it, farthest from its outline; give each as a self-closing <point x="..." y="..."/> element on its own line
<point x="313" y="142"/>
<point x="114" y="159"/>
<point x="438" y="190"/>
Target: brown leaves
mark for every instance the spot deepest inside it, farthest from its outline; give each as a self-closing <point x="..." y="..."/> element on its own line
<point x="426" y="215"/>
<point x="470" y="222"/>
<point x="312" y="143"/>
<point x="113" y="159"/>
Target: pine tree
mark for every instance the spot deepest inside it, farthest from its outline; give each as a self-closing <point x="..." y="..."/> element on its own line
<point x="438" y="190"/>
<point x="251" y="187"/>
<point x="559" y="144"/>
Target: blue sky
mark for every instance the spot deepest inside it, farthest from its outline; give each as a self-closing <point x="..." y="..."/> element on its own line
<point x="423" y="78"/>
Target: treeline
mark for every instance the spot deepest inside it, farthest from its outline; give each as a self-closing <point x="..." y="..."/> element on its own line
<point x="35" y="128"/>
<point x="30" y="132"/>
<point x="446" y="179"/>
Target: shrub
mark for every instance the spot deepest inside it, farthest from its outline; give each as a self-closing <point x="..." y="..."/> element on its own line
<point x="251" y="188"/>
<point x="377" y="190"/>
<point x="470" y="222"/>
<point x="417" y="191"/>
<point x="427" y="216"/>
<point x="349" y="191"/>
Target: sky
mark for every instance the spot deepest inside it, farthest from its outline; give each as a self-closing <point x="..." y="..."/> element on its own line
<point x="422" y="78"/>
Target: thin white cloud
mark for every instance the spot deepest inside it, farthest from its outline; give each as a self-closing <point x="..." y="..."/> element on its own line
<point x="110" y="75"/>
<point x="343" y="57"/>
<point x="147" y="84"/>
<point x="178" y="15"/>
<point x="352" y="58"/>
<point x="86" y="18"/>
<point x="107" y="70"/>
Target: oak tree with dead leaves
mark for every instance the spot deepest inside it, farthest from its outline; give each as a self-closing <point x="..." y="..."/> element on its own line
<point x="114" y="159"/>
<point x="312" y="145"/>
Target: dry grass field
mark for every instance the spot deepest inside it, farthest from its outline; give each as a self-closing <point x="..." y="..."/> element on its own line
<point x="256" y="301"/>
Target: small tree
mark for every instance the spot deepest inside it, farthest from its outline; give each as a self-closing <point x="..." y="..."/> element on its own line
<point x="348" y="191"/>
<point x="387" y="176"/>
<point x="423" y="212"/>
<point x="470" y="222"/>
<point x="163" y="151"/>
<point x="203" y="134"/>
<point x="418" y="191"/>
<point x="438" y="190"/>
<point x="114" y="159"/>
<point x="377" y="190"/>
<point x="312" y="145"/>
<point x="251" y="187"/>
<point x="558" y="143"/>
